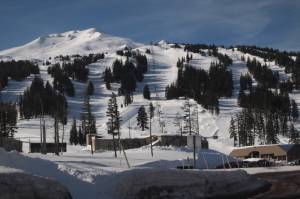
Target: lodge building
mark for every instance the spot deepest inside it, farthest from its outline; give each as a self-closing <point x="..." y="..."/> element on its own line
<point x="285" y="152"/>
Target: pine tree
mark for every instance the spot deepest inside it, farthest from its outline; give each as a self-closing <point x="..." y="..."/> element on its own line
<point x="151" y="110"/>
<point x="146" y="92"/>
<point x="117" y="120"/>
<point x="108" y="78"/>
<point x="294" y="135"/>
<point x="142" y="118"/>
<point x="260" y="127"/>
<point x="90" y="88"/>
<point x="114" y="120"/>
<point x="81" y="139"/>
<point x="127" y="99"/>
<point x="88" y="119"/>
<point x="283" y="125"/>
<point x="69" y="88"/>
<point x="73" y="134"/>
<point x="151" y="115"/>
<point x="294" y="113"/>
<point x="8" y="119"/>
<point x="271" y="137"/>
<point x="232" y="131"/>
<point x="56" y="135"/>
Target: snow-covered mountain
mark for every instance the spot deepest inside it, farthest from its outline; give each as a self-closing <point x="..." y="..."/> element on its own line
<point x="162" y="71"/>
<point x="68" y="43"/>
<point x="78" y="169"/>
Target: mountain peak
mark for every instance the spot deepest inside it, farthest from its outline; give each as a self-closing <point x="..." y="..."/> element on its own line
<point x="71" y="42"/>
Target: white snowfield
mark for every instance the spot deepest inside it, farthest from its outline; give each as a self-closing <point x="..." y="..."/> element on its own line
<point x="69" y="43"/>
<point x="78" y="169"/>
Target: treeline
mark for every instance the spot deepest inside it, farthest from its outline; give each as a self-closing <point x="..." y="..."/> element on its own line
<point x="296" y="73"/>
<point x="8" y="119"/>
<point x="254" y="124"/>
<point x="126" y="73"/>
<point x="42" y="99"/>
<point x="204" y="87"/>
<point x="126" y="52"/>
<point x="265" y="77"/>
<point x="212" y="51"/>
<point x="61" y="81"/>
<point x="197" y="48"/>
<point x="88" y="121"/>
<point x="76" y="69"/>
<point x="283" y="59"/>
<point x="245" y="82"/>
<point x="267" y="110"/>
<point x="184" y="60"/>
<point x="262" y="74"/>
<point x="269" y="54"/>
<point x="91" y="58"/>
<point x="266" y="114"/>
<point x="76" y="135"/>
<point x="16" y="70"/>
<point x="266" y="100"/>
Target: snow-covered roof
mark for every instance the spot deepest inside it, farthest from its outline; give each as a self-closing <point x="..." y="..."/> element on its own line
<point x="274" y="149"/>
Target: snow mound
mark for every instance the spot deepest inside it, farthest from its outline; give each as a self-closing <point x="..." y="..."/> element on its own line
<point x="72" y="42"/>
<point x="36" y="166"/>
<point x="189" y="184"/>
<point x="21" y="185"/>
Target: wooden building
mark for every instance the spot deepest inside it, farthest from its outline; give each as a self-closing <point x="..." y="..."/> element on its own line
<point x="285" y="152"/>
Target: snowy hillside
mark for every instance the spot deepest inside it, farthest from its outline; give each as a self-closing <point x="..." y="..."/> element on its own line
<point x="162" y="71"/>
<point x="99" y="173"/>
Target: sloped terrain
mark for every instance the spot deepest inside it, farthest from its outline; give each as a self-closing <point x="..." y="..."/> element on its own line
<point x="162" y="71"/>
<point x="77" y="167"/>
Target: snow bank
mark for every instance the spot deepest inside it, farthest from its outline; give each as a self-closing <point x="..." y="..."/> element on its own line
<point x="206" y="159"/>
<point x="39" y="167"/>
<point x="188" y="184"/>
<point x="18" y="185"/>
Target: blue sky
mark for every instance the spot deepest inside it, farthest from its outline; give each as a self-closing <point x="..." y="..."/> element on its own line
<point x="274" y="23"/>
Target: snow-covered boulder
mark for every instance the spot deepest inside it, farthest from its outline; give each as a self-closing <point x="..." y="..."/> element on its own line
<point x="178" y="184"/>
<point x="18" y="185"/>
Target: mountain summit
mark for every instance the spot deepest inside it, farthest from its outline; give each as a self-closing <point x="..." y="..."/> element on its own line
<point x="67" y="43"/>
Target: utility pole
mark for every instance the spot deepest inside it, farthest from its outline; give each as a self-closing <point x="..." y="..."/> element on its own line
<point x="62" y="139"/>
<point x="90" y="139"/>
<point x="41" y="134"/>
<point x="44" y="138"/>
<point x="129" y="127"/>
<point x="194" y="150"/>
<point x="56" y="140"/>
<point x="151" y="147"/>
<point x="43" y="130"/>
<point x="63" y="134"/>
<point x="198" y="128"/>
